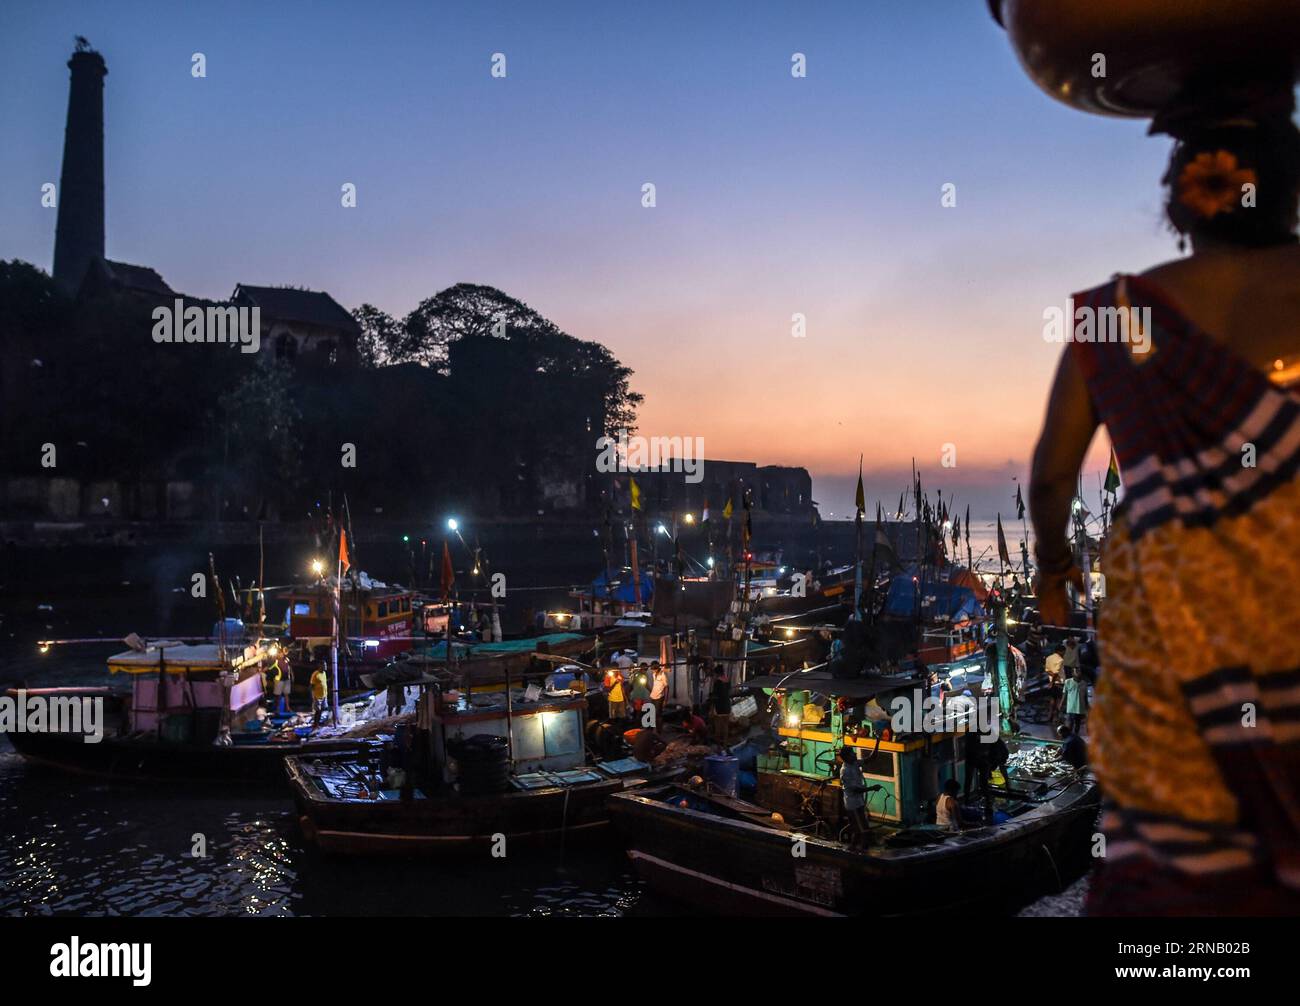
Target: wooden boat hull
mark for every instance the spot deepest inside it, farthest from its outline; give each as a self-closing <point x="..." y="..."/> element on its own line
<point x="737" y="865"/>
<point x="448" y="822"/>
<point x="148" y="759"/>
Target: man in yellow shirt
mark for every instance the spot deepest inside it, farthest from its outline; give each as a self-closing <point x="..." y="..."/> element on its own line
<point x="617" y="698"/>
<point x="320" y="690"/>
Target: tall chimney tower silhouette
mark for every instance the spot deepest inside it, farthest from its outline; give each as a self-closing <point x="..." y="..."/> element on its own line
<point x="79" y="235"/>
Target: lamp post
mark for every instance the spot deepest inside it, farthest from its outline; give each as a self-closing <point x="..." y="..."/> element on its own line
<point x="479" y="568"/>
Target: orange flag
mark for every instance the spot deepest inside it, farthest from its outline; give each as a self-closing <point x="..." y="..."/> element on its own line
<point x="344" y="562"/>
<point x="448" y="572"/>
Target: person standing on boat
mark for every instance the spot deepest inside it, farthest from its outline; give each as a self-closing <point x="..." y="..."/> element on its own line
<point x="1054" y="668"/>
<point x="1070" y="659"/>
<point x="319" y="692"/>
<point x="659" y="692"/>
<point x="1195" y="735"/>
<point x="284" y="685"/>
<point x="1035" y="643"/>
<point x="395" y="699"/>
<point x="1021" y="674"/>
<point x="854" y="786"/>
<point x="640" y="688"/>
<point x="1076" y="701"/>
<point x="720" y="705"/>
<point x="617" y="697"/>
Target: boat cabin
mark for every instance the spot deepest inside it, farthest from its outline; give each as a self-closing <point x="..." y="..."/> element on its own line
<point x="819" y="714"/>
<point x="186" y="693"/>
<point x="546" y="732"/>
<point x="949" y="643"/>
<point x="764" y="577"/>
<point x="378" y="614"/>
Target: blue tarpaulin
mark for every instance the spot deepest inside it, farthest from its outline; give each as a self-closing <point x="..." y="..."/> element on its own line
<point x="622" y="589"/>
<point x="941" y="600"/>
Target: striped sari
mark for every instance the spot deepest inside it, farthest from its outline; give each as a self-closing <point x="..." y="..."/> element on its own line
<point x="1195" y="731"/>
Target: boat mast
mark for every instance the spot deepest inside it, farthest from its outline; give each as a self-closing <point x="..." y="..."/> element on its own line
<point x="860" y="505"/>
<point x="1081" y="539"/>
<point x="334" y="636"/>
<point x="871" y="578"/>
<point x="1004" y="679"/>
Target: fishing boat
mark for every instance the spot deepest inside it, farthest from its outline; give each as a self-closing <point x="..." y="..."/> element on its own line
<point x="377" y="615"/>
<point x="192" y="713"/>
<point x="784" y="852"/>
<point x="472" y="771"/>
<point x="481" y="666"/>
<point x="609" y="599"/>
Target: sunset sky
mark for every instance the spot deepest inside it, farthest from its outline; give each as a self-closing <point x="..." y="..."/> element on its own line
<point x="776" y="196"/>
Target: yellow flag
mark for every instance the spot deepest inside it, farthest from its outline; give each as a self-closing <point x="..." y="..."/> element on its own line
<point x="726" y="510"/>
<point x="636" y="495"/>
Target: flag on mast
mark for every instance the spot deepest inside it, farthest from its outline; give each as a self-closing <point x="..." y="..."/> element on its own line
<point x="860" y="500"/>
<point x="345" y="563"/>
<point x="1020" y="504"/>
<point x="727" y="510"/>
<point x="1003" y="554"/>
<point x="448" y="571"/>
<point x="881" y="542"/>
<point x="216" y="588"/>
<point x="1112" y="474"/>
<point x="636" y="495"/>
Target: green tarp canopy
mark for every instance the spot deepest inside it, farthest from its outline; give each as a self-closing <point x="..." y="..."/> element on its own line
<point x="505" y="648"/>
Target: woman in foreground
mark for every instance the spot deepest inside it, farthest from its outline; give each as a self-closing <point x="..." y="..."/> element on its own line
<point x="1196" y="726"/>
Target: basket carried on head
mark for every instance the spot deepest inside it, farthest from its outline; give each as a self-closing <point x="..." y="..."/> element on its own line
<point x="1136" y="57"/>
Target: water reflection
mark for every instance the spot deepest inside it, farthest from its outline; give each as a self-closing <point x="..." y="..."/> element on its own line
<point x="74" y="846"/>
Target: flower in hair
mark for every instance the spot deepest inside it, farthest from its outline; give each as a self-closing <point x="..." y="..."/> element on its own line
<point x="1213" y="184"/>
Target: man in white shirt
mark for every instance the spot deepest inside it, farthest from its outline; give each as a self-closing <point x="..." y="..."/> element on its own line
<point x="1071" y="656"/>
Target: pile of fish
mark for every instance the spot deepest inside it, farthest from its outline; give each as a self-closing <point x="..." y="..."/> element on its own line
<point x="1041" y="761"/>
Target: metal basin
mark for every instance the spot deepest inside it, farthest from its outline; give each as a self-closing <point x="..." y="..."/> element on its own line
<point x="1152" y="48"/>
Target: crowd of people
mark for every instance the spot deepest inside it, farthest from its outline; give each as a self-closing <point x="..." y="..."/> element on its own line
<point x="637" y="692"/>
